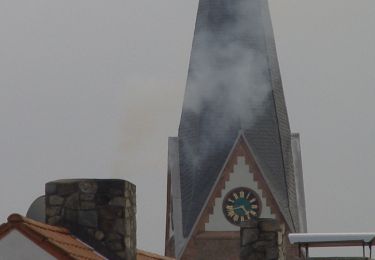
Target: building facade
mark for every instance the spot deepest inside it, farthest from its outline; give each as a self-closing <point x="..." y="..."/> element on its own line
<point x="235" y="161"/>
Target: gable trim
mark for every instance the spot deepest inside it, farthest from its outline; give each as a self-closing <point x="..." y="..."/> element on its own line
<point x="188" y="239"/>
<point x="57" y="241"/>
<point x="15" y="222"/>
<point x="4" y="230"/>
<point x="222" y="179"/>
<point x="175" y="195"/>
<point x="260" y="178"/>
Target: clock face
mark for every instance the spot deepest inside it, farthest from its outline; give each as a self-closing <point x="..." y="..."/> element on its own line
<point x="240" y="205"/>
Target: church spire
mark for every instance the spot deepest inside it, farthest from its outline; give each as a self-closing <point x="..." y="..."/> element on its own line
<point x="233" y="85"/>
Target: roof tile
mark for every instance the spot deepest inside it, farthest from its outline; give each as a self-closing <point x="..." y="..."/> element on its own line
<point x="56" y="240"/>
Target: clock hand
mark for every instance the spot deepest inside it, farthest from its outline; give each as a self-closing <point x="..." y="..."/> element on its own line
<point x="244" y="209"/>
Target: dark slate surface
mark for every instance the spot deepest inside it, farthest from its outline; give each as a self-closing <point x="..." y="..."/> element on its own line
<point x="37" y="210"/>
<point x="283" y="123"/>
<point x="207" y="134"/>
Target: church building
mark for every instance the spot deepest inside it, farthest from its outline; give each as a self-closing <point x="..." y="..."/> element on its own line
<point x="235" y="161"/>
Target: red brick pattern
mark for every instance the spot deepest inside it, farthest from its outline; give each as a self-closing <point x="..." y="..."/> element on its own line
<point x="223" y="245"/>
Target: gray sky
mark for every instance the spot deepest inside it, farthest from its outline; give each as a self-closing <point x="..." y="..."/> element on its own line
<point x="93" y="88"/>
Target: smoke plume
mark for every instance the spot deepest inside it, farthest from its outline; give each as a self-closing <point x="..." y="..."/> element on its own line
<point x="229" y="74"/>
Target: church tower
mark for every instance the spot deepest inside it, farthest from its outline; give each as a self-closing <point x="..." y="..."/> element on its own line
<point x="235" y="160"/>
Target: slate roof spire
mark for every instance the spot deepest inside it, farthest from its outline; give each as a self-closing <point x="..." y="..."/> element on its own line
<point x="233" y="85"/>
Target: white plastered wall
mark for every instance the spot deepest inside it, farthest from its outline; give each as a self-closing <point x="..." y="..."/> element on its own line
<point x="16" y="246"/>
<point x="240" y="177"/>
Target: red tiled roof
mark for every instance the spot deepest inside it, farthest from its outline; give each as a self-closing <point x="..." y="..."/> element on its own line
<point x="57" y="241"/>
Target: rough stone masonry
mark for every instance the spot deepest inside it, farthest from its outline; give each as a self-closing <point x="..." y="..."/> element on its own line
<point x="101" y="213"/>
<point x="262" y="240"/>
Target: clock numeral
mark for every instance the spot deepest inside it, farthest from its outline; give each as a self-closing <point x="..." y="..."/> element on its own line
<point x="240" y="205"/>
<point x="231" y="213"/>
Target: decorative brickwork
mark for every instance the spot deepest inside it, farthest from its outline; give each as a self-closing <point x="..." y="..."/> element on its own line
<point x="100" y="212"/>
<point x="226" y="245"/>
<point x="214" y="245"/>
<point x="240" y="150"/>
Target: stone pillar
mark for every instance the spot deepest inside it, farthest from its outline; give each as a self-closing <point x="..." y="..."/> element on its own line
<point x="259" y="240"/>
<point x="101" y="213"/>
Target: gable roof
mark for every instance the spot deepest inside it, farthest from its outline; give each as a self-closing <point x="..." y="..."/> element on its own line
<point x="59" y="242"/>
<point x="240" y="148"/>
<point x="209" y="126"/>
<point x="55" y="240"/>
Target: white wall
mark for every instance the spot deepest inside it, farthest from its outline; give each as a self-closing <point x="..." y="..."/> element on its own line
<point x="241" y="177"/>
<point x="16" y="246"/>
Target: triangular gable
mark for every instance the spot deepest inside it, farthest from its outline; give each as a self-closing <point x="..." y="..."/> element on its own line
<point x="241" y="176"/>
<point x="240" y="148"/>
<point x="15" y="245"/>
<point x="56" y="241"/>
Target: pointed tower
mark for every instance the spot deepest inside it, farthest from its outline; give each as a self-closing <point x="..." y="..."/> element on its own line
<point x="232" y="161"/>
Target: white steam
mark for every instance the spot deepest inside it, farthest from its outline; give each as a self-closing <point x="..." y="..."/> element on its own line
<point x="226" y="66"/>
<point x="229" y="77"/>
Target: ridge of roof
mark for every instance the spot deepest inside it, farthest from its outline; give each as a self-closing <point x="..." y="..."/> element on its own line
<point x="57" y="241"/>
<point x="17" y="218"/>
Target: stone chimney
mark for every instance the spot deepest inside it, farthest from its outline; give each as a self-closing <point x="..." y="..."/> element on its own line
<point x="99" y="212"/>
<point x="260" y="240"/>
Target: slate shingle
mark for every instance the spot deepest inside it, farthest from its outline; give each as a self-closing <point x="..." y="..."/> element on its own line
<point x="207" y="134"/>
